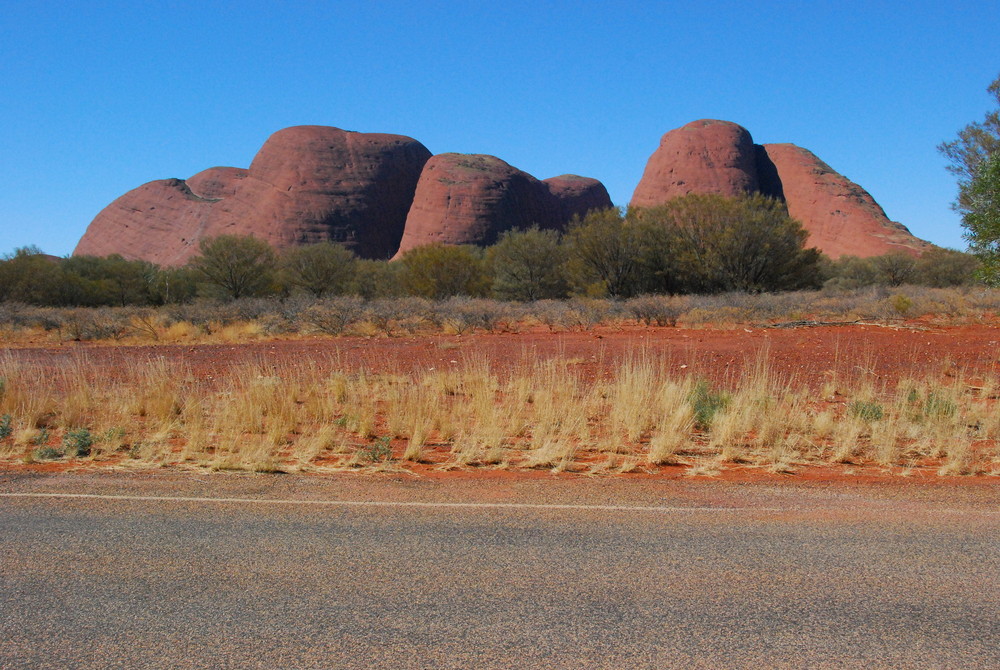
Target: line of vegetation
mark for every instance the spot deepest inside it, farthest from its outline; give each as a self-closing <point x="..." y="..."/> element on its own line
<point x="247" y="319"/>
<point x="696" y="245"/>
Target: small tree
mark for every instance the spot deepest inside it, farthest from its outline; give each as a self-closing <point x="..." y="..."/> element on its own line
<point x="319" y="269"/>
<point x="30" y="276"/>
<point x="940" y="267"/>
<point x="973" y="146"/>
<point x="375" y="279"/>
<point x="528" y="265"/>
<point x="720" y="244"/>
<point x="236" y="266"/>
<point x="895" y="268"/>
<point x="604" y="248"/>
<point x="981" y="218"/>
<point x="438" y="271"/>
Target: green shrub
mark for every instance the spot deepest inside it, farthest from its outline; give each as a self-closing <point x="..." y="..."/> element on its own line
<point x="901" y="304"/>
<point x="379" y="450"/>
<point x="938" y="405"/>
<point x="5" y="426"/>
<point x="77" y="443"/>
<point x="866" y="410"/>
<point x="706" y="403"/>
<point x="47" y="454"/>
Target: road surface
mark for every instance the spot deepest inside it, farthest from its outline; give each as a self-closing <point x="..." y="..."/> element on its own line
<point x="244" y="571"/>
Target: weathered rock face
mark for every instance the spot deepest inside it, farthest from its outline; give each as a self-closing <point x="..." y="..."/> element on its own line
<point x="577" y="195"/>
<point x="306" y="184"/>
<point x="472" y="198"/>
<point x="706" y="156"/>
<point x="217" y="182"/>
<point x="160" y="221"/>
<point x="842" y="218"/>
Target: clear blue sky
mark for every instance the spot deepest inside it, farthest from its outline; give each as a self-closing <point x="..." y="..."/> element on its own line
<point x="97" y="98"/>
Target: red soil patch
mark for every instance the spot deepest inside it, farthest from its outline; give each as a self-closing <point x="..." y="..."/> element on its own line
<point x="804" y="355"/>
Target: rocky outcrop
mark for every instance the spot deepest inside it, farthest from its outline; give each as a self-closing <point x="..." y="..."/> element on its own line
<point x="382" y="194"/>
<point x="473" y="198"/>
<point x="720" y="157"/>
<point x="842" y="218"/>
<point x="577" y="195"/>
<point x="160" y="221"/>
<point x="306" y="184"/>
<point x="706" y="156"/>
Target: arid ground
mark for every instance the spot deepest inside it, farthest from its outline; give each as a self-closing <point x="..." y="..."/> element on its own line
<point x="853" y="401"/>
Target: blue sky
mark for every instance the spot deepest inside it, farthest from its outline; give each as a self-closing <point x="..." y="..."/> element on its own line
<point x="100" y="97"/>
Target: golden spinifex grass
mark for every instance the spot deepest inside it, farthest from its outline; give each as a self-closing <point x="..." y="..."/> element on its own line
<point x="646" y="414"/>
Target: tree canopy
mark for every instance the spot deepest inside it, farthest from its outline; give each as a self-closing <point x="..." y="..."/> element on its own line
<point x="975" y="143"/>
<point x="236" y="266"/>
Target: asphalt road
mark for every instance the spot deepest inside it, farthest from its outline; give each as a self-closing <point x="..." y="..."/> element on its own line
<point x="547" y="573"/>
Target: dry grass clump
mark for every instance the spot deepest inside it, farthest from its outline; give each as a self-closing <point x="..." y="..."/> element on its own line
<point x="536" y="414"/>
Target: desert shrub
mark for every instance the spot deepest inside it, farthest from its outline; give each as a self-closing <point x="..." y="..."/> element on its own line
<point x="900" y="303"/>
<point x="940" y="267"/>
<point x="47" y="453"/>
<point x="207" y="313"/>
<point x="528" y="265"/>
<point x="438" y="271"/>
<point x="379" y="450"/>
<point x="850" y="272"/>
<point x="77" y="443"/>
<point x="279" y="317"/>
<point x="6" y="425"/>
<point x="173" y="285"/>
<point x="390" y="315"/>
<point x="894" y="269"/>
<point x="110" y="280"/>
<point x="866" y="410"/>
<point x="377" y="279"/>
<point x="233" y="266"/>
<point x="31" y="277"/>
<point x="706" y="402"/>
<point x="334" y="315"/>
<point x="12" y="317"/>
<point x="711" y="244"/>
<point x="83" y="323"/>
<point x="462" y="314"/>
<point x="603" y="255"/>
<point x="657" y="310"/>
<point x="552" y="313"/>
<point x="318" y="269"/>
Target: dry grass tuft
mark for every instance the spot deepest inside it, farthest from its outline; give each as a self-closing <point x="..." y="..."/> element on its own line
<point x="535" y="414"/>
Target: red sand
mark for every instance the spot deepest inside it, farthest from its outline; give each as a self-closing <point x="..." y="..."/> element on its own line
<point x="807" y="355"/>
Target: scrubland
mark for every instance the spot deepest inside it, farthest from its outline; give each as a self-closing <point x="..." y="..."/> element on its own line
<point x="251" y="319"/>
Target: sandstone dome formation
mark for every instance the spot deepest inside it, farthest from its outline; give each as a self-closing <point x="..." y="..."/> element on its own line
<point x="720" y="157"/>
<point x="576" y="195"/>
<point x="306" y="184"/>
<point x="473" y="198"/>
<point x="706" y="156"/>
<point x="382" y="194"/>
<point x="842" y="218"/>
